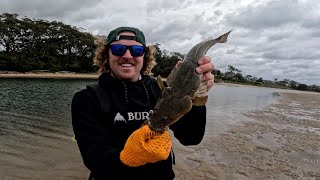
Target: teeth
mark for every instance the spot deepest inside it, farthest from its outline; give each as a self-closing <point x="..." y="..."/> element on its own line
<point x="126" y="65"/>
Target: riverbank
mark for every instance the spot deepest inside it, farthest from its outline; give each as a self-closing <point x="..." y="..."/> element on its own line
<point x="48" y="75"/>
<point x="281" y="141"/>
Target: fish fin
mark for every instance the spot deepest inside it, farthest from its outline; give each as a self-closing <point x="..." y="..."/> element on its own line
<point x="161" y="83"/>
<point x="200" y="101"/>
<point x="74" y="138"/>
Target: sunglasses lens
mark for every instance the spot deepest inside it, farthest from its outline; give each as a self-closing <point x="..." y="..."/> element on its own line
<point x="137" y="51"/>
<point x="118" y="49"/>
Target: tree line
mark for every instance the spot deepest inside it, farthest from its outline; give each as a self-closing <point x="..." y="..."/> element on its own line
<point x="34" y="44"/>
<point x="235" y="75"/>
<point x="31" y="44"/>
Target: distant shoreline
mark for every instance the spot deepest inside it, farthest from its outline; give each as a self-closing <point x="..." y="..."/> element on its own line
<point x="47" y="75"/>
<point x="94" y="76"/>
<point x="275" y="89"/>
<point x="72" y="75"/>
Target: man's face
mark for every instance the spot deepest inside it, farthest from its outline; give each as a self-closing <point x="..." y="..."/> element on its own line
<point x="126" y="67"/>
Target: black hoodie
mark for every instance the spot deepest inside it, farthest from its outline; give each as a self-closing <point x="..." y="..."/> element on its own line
<point x="101" y="135"/>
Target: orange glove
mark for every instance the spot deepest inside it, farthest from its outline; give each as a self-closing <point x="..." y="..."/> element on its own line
<point x="146" y="146"/>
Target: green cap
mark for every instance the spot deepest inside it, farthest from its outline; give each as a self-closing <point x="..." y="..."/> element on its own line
<point x="113" y="35"/>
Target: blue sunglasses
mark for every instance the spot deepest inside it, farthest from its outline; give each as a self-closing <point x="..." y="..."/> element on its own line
<point x="120" y="50"/>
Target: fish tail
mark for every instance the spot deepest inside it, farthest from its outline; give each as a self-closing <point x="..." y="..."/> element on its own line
<point x="223" y="38"/>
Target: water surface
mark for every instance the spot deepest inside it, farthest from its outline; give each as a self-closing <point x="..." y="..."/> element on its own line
<point x="36" y="130"/>
<point x="227" y="103"/>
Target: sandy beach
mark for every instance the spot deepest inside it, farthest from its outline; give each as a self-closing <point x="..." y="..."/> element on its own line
<point x="281" y="141"/>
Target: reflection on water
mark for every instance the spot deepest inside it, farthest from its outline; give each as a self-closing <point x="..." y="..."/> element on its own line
<point x="227" y="103"/>
<point x="36" y="131"/>
<point x="35" y="128"/>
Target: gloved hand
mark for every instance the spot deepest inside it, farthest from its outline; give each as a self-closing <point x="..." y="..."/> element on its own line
<point x="146" y="146"/>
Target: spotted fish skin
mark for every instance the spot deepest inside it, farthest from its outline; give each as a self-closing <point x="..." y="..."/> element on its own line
<point x="182" y="84"/>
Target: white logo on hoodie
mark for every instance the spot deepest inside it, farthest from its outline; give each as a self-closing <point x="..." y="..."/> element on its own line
<point x="133" y="116"/>
<point x="118" y="118"/>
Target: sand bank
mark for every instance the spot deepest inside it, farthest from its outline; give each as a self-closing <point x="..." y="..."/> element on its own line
<point x="281" y="142"/>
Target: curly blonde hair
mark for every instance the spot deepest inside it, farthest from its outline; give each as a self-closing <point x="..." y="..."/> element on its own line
<point x="102" y="62"/>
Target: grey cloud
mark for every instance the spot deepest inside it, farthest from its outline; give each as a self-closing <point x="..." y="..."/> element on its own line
<point x="231" y="51"/>
<point x="311" y="23"/>
<point x="218" y="13"/>
<point x="315" y="34"/>
<point x="154" y="7"/>
<point x="180" y="29"/>
<point x="278" y="37"/>
<point x="175" y="29"/>
<point x="272" y="14"/>
<point x="45" y="9"/>
<point x="284" y="55"/>
<point x="270" y="39"/>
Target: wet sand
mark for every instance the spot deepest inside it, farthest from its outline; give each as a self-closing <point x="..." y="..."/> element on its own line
<point x="281" y="141"/>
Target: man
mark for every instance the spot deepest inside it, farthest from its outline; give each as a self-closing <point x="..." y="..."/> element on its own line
<point x="108" y="124"/>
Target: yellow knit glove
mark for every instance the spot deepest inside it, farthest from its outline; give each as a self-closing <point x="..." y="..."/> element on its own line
<point x="146" y="146"/>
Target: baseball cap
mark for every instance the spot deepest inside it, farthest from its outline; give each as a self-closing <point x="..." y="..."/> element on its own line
<point x="114" y="35"/>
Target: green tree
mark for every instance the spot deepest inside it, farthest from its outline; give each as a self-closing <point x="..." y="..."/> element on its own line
<point x="302" y="87"/>
<point x="166" y="61"/>
<point x="39" y="44"/>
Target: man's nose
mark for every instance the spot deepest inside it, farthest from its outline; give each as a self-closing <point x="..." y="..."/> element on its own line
<point x="127" y="54"/>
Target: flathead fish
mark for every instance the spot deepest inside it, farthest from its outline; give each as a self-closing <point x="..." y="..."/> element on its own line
<point x="181" y="86"/>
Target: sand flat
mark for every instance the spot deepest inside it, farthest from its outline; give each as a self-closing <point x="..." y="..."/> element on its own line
<point x="281" y="142"/>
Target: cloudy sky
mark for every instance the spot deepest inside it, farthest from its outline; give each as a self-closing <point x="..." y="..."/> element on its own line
<point x="270" y="38"/>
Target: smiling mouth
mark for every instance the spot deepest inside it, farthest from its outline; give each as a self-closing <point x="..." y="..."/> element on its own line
<point x="126" y="65"/>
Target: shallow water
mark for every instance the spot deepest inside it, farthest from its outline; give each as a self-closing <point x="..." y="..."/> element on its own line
<point x="36" y="131"/>
<point x="227" y="103"/>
